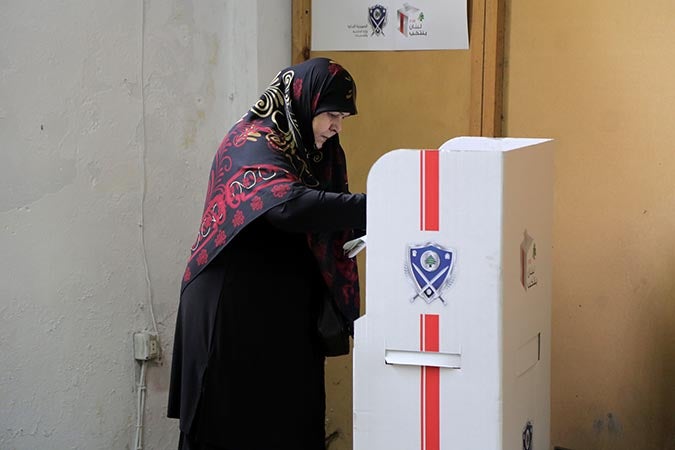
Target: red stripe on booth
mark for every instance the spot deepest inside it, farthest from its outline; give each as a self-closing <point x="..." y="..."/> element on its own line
<point x="430" y="385"/>
<point x="429" y="190"/>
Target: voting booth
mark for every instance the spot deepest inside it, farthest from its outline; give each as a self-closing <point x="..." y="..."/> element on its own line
<point x="453" y="352"/>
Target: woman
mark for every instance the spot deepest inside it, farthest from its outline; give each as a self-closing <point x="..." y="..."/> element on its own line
<point x="248" y="370"/>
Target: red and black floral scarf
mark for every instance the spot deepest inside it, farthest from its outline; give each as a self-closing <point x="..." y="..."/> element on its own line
<point x="267" y="155"/>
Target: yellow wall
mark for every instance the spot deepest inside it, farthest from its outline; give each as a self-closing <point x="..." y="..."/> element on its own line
<point x="599" y="77"/>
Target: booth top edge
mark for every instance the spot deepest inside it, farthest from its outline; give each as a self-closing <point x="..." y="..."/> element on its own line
<point x="487" y="144"/>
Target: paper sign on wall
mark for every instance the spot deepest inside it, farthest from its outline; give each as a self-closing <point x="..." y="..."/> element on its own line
<point x="389" y="25"/>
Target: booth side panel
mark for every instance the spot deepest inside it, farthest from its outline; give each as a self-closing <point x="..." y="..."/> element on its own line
<point x="527" y="256"/>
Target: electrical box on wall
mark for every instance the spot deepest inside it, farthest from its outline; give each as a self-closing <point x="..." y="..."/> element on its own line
<point x="146" y="346"/>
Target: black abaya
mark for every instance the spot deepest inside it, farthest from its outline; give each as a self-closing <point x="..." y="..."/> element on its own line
<point x="248" y="373"/>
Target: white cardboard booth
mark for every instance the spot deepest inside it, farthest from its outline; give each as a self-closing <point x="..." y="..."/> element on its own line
<point x="453" y="352"/>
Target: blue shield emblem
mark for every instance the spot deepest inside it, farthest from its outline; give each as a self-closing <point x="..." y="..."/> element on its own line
<point x="430" y="267"/>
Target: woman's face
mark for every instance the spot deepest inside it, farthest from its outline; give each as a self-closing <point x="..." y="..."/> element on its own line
<point x="326" y="125"/>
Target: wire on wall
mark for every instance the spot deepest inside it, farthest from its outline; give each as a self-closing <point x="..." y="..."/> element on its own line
<point x="144" y="180"/>
<point x="141" y="386"/>
<point x="140" y="407"/>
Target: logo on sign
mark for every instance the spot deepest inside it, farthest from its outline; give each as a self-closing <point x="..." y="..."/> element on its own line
<point x="377" y="17"/>
<point x="411" y="21"/>
<point x="430" y="267"/>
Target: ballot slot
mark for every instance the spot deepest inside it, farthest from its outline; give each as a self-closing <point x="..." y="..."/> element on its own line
<point x="428" y="359"/>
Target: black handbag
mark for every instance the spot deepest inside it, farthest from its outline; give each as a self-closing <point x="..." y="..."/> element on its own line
<point x="332" y="328"/>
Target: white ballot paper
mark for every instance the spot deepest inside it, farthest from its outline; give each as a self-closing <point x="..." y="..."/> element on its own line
<point x="353" y="247"/>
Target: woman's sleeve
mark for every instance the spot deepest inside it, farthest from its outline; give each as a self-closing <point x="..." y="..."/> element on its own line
<point x="320" y="211"/>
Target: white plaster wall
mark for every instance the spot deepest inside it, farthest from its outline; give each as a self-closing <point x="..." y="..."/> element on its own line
<point x="99" y="103"/>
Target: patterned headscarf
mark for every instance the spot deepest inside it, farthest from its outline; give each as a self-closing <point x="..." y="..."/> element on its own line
<point x="267" y="155"/>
